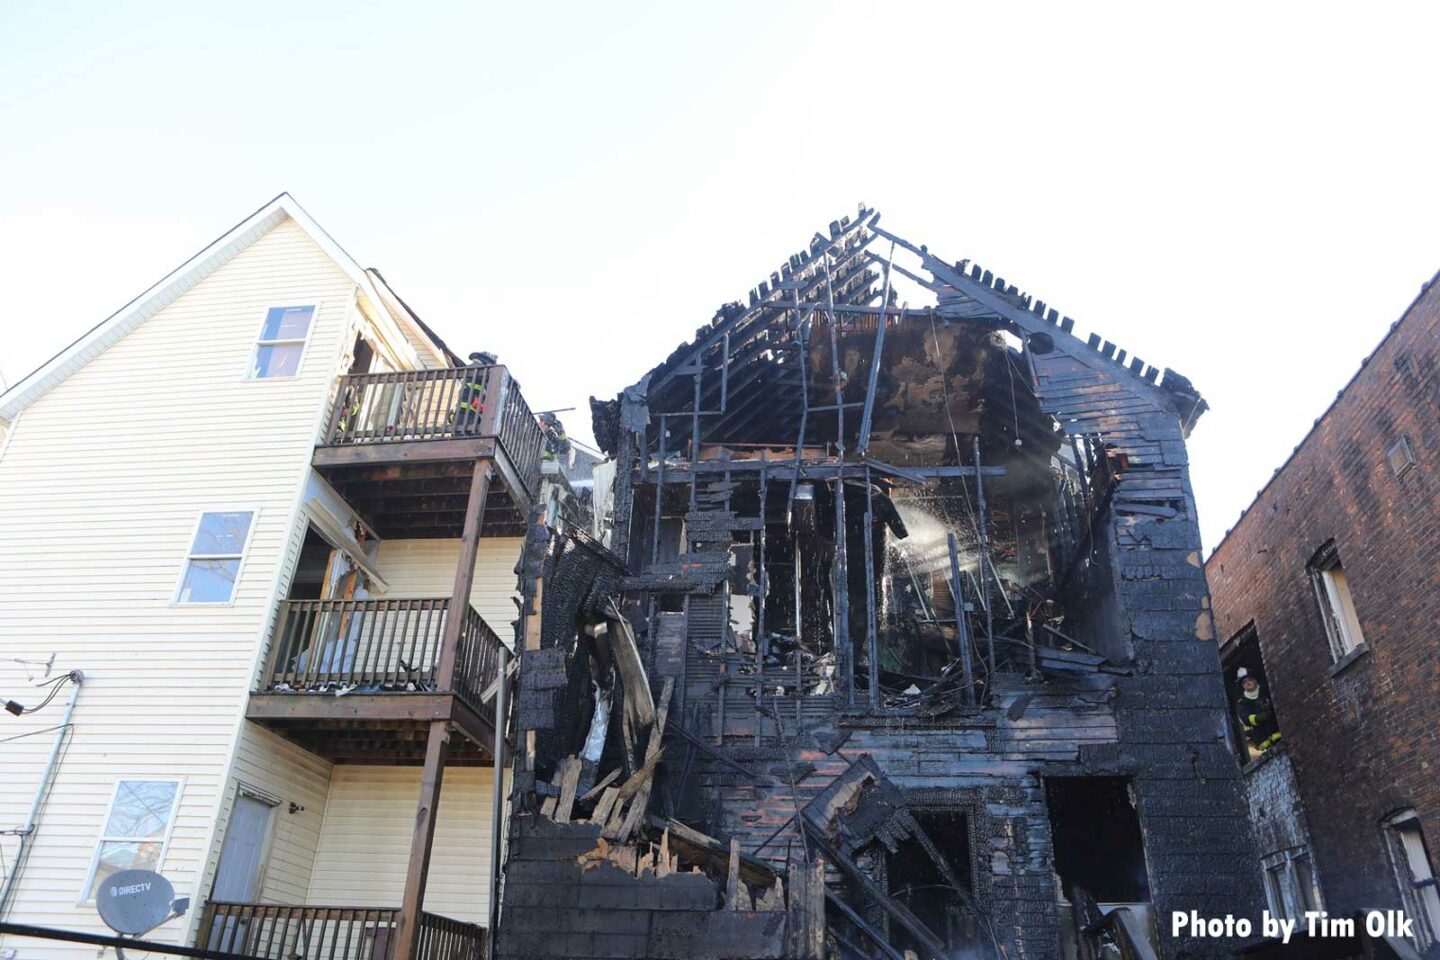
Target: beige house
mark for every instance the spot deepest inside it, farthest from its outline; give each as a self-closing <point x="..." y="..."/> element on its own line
<point x="232" y="519"/>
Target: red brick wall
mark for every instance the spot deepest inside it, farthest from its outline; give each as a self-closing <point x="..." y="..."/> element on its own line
<point x="1365" y="740"/>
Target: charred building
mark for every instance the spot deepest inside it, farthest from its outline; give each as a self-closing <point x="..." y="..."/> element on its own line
<point x="892" y="639"/>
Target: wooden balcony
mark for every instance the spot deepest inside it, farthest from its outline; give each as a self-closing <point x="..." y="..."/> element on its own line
<point x="282" y="932"/>
<point x="358" y="681"/>
<point x="401" y="448"/>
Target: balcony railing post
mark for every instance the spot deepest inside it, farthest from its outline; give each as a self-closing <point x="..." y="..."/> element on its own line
<point x="497" y="384"/>
<point x="337" y="407"/>
<point x="277" y="641"/>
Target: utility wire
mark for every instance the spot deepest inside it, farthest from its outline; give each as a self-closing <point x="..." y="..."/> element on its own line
<point x="54" y="686"/>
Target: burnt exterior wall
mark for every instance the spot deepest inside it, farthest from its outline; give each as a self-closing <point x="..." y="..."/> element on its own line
<point x="1057" y="462"/>
<point x="1171" y="714"/>
<point x="1277" y="814"/>
<point x="557" y="904"/>
<point x="1361" y="733"/>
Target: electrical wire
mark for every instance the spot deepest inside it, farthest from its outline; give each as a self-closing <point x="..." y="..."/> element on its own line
<point x="54" y="686"/>
<point x="32" y="733"/>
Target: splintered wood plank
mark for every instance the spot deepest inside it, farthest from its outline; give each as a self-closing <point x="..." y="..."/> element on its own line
<point x="666" y="692"/>
<point x="569" y="779"/>
<point x="614" y="827"/>
<point x="643" y="780"/>
<point x="604" y="805"/>
<point x="635" y="814"/>
<point x="599" y="788"/>
<point x="641" y="777"/>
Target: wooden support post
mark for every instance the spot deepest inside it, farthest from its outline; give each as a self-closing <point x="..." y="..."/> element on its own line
<point x="863" y="446"/>
<point x="407" y="931"/>
<point x="985" y="565"/>
<point x="725" y="374"/>
<point x="844" y="649"/>
<point x="763" y="580"/>
<point x="962" y="625"/>
<point x="803" y="346"/>
<point x="732" y="877"/>
<point x="805" y="924"/>
<point x="872" y="640"/>
<point x="694" y="441"/>
<point x="659" y="494"/>
<point x="464" y="576"/>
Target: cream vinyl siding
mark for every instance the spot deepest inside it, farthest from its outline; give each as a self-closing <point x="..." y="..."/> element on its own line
<point x="365" y="844"/>
<point x="426" y="568"/>
<point x="280" y="769"/>
<point x="99" y="496"/>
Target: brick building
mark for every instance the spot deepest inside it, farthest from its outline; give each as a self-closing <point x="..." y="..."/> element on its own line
<point x="1328" y="591"/>
<point x="895" y="637"/>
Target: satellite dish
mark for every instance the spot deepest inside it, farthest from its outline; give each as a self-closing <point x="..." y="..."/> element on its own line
<point x="134" y="901"/>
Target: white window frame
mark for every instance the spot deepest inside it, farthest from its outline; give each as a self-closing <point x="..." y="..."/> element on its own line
<point x="101" y="837"/>
<point x="1427" y="924"/>
<point x="1337" y="603"/>
<point x="257" y="342"/>
<point x="175" y="600"/>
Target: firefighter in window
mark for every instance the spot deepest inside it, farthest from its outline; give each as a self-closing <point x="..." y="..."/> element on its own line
<point x="1256" y="715"/>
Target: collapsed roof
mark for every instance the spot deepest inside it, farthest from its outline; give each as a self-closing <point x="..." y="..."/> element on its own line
<point x="754" y="383"/>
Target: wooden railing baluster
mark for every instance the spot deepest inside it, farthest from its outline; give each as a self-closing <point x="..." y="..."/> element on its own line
<point x="321" y="644"/>
<point x="417" y="405"/>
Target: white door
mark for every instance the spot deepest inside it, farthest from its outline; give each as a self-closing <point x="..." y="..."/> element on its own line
<point x="242" y="858"/>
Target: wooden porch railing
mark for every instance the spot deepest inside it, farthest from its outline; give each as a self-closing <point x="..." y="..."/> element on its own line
<point x="477" y="663"/>
<point x="285" y="932"/>
<point x="377" y="646"/>
<point x="444" y="404"/>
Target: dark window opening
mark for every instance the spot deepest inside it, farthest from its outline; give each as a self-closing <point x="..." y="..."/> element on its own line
<point x="1096" y="834"/>
<point x="1253" y="723"/>
<point x="364" y="357"/>
<point x="914" y="879"/>
<point x="312" y="567"/>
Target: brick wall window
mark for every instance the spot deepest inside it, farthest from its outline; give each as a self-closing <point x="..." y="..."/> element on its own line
<point x="1415" y="876"/>
<point x="1400" y="456"/>
<point x="1290" y="887"/>
<point x="1337" y="607"/>
<point x="1252" y="713"/>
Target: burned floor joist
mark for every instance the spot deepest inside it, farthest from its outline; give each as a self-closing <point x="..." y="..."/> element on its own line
<point x="916" y="595"/>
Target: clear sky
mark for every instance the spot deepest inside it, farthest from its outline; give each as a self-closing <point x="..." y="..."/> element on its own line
<point x="1247" y="193"/>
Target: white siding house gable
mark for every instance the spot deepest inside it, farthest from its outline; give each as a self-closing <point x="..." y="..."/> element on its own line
<point x="100" y="490"/>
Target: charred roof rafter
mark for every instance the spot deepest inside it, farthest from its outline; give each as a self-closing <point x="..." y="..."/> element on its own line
<point x="745" y="358"/>
<point x="1028" y="317"/>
